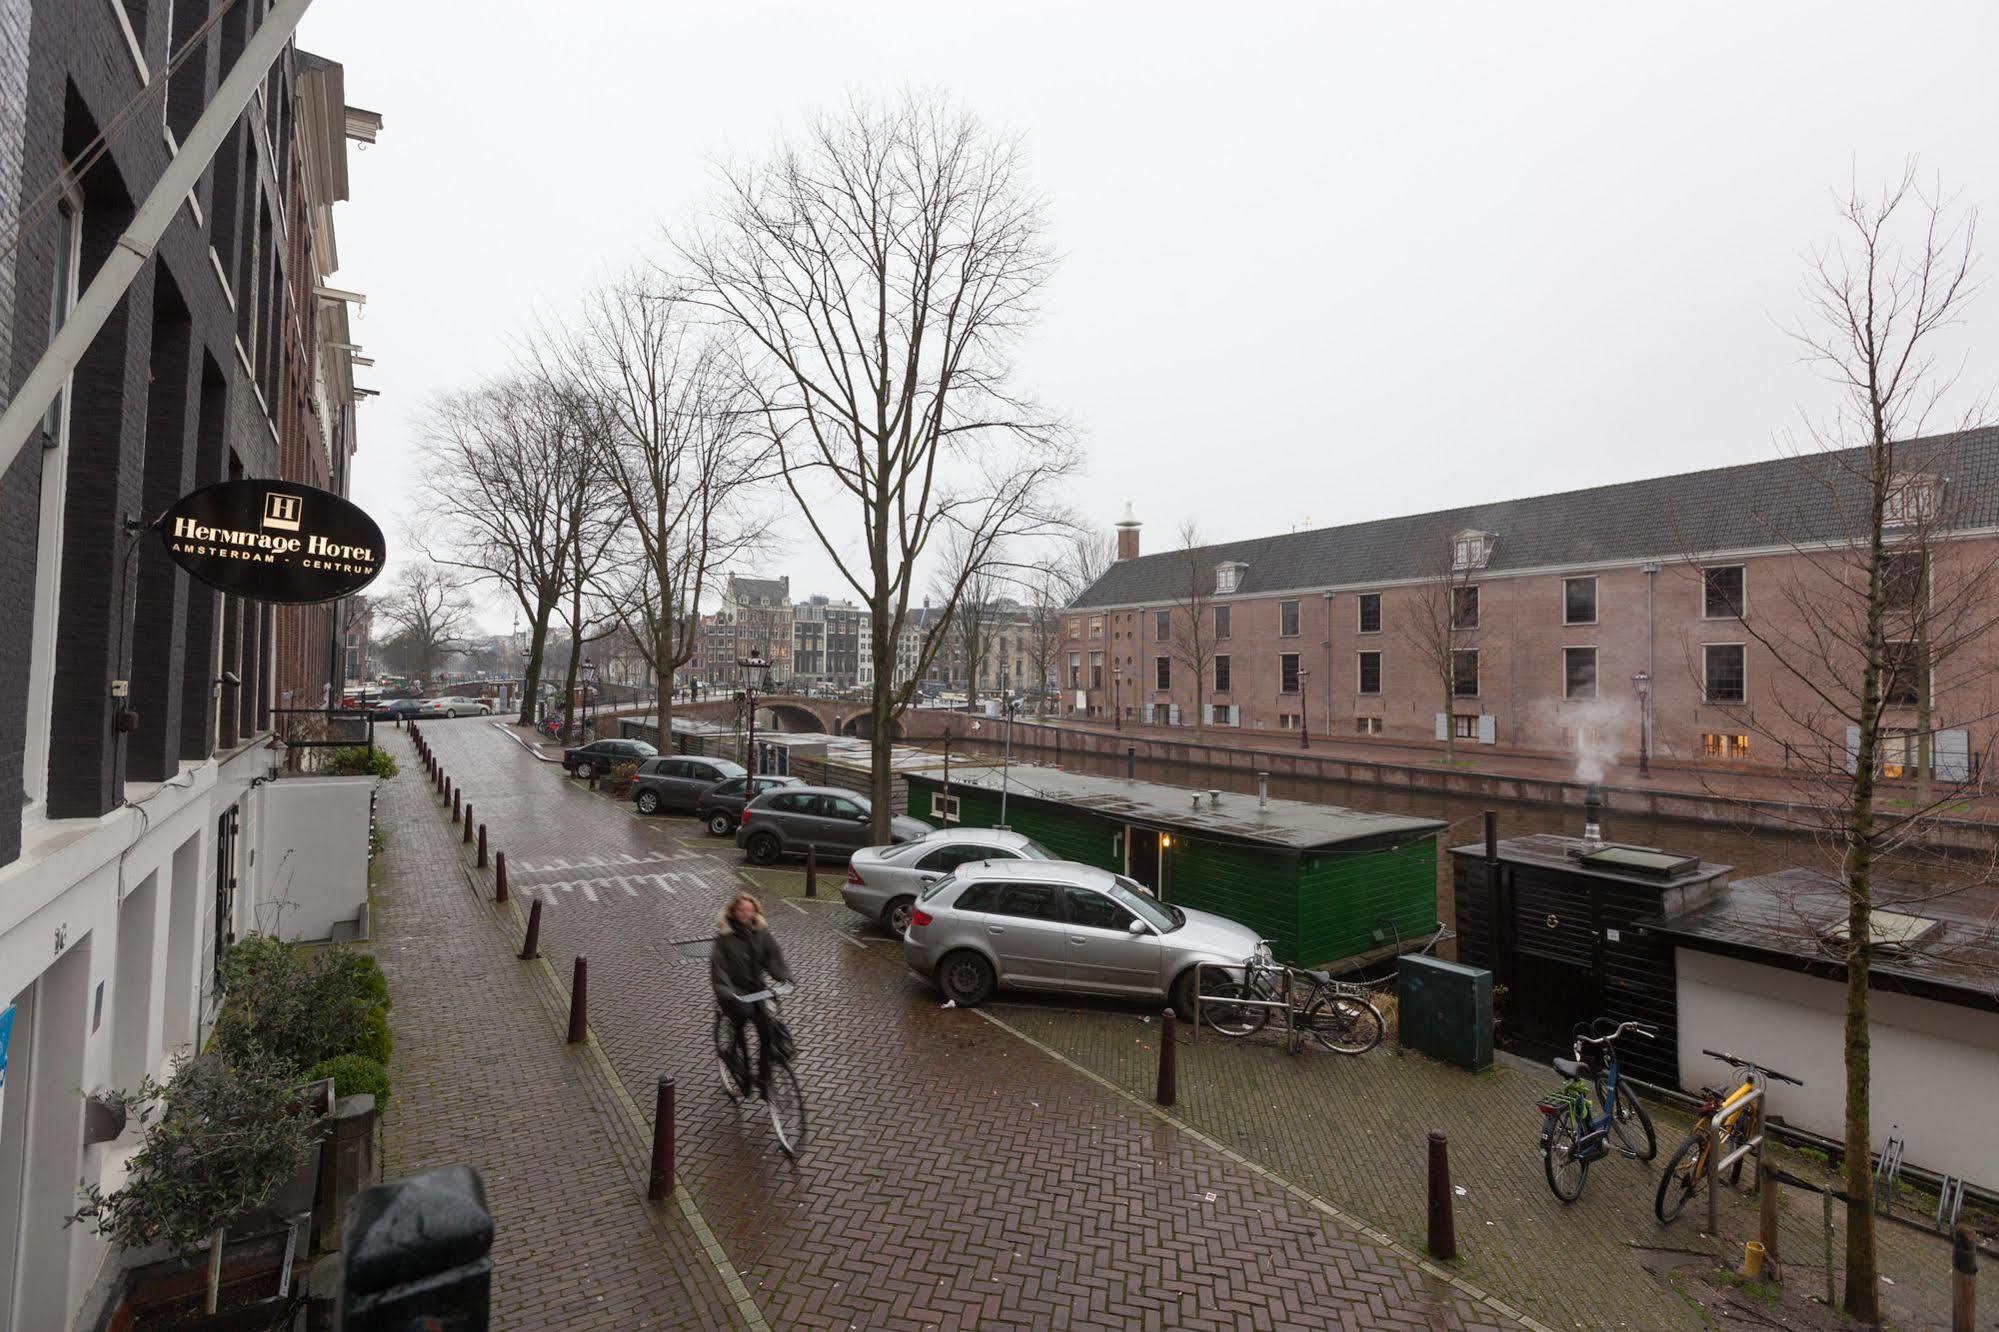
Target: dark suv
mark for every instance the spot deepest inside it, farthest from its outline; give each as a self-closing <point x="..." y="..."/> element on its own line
<point x="676" y="781"/>
<point x="828" y="819"/>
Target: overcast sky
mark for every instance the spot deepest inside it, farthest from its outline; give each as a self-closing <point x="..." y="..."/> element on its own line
<point x="1321" y="262"/>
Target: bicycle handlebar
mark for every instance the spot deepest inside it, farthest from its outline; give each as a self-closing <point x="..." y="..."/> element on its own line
<point x="1728" y="1058"/>
<point x="1649" y="1033"/>
<point x="776" y="991"/>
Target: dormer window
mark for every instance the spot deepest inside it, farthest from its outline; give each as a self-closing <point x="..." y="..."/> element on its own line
<point x="1470" y="550"/>
<point x="1228" y="577"/>
<point x="1911" y="499"/>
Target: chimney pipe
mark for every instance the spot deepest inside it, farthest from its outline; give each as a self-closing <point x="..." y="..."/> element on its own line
<point x="1263" y="790"/>
<point x="1593" y="813"/>
<point x="1214" y="798"/>
<point x="1127" y="534"/>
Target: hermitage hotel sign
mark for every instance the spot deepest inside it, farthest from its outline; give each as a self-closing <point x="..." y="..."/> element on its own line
<point x="273" y="541"/>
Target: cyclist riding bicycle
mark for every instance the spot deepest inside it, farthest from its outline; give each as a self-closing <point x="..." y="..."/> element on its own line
<point x="745" y="952"/>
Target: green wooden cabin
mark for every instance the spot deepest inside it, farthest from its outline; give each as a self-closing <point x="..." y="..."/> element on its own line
<point x="1327" y="883"/>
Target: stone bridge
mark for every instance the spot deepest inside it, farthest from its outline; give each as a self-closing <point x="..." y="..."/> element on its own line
<point x="789" y="713"/>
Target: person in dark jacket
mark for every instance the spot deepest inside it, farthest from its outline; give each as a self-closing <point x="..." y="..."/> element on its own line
<point x="745" y="952"/>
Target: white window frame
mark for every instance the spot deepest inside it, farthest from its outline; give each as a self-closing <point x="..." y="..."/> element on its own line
<point x="1228" y="577"/>
<point x="1157" y="663"/>
<point x="1297" y="673"/>
<point x="1711" y="701"/>
<point x="1215" y="667"/>
<point x="1224" y="622"/>
<point x="1367" y="726"/>
<point x="1299" y="608"/>
<point x="47" y="620"/>
<point x="1360" y="678"/>
<point x="1359" y="625"/>
<point x="944" y="808"/>
<point x="1595" y="591"/>
<point x="1471" y="549"/>
<point x="1596" y="676"/>
<point x="1743" y="614"/>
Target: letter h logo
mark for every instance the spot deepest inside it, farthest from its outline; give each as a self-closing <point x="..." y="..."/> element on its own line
<point x="281" y="512"/>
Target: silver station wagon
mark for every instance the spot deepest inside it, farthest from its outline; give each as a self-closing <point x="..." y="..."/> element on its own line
<point x="1065" y="927"/>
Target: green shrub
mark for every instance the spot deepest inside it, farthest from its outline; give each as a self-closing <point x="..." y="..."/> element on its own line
<point x="299" y="1006"/>
<point x="358" y="761"/>
<point x="353" y="1075"/>
<point x="374" y="1041"/>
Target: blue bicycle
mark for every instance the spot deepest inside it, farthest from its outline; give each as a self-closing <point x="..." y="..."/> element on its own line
<point x="1571" y="1137"/>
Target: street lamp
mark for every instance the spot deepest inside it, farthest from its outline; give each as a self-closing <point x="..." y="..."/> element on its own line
<point x="756" y="677"/>
<point x="588" y="671"/>
<point x="1117" y="699"/>
<point x="1643" y="684"/>
<point x="1304" y="709"/>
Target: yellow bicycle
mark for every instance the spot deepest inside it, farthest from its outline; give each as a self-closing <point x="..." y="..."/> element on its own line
<point x="1725" y="1123"/>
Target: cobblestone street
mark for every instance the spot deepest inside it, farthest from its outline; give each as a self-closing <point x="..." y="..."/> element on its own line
<point x="957" y="1176"/>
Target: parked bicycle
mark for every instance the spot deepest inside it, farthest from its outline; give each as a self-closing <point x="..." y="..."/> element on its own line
<point x="1572" y="1137"/>
<point x="783" y="1099"/>
<point x="1338" y="1015"/>
<point x="1726" y="1122"/>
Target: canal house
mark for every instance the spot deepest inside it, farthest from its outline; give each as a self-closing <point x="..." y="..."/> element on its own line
<point x="1327" y="884"/>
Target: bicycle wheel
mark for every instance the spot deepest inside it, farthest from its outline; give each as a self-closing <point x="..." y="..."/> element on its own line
<point x="1566" y="1174"/>
<point x="1343" y="1024"/>
<point x="1681" y="1179"/>
<point x="1232" y="1019"/>
<point x="735" y="1077"/>
<point x="1630" y="1125"/>
<point x="787" y="1109"/>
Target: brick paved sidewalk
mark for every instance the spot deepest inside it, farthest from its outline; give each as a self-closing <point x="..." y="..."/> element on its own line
<point x="481" y="1076"/>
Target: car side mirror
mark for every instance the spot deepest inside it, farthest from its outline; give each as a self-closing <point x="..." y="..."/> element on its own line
<point x="1136" y="928"/>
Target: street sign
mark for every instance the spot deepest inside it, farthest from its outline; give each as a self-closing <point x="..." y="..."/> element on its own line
<point x="273" y="541"/>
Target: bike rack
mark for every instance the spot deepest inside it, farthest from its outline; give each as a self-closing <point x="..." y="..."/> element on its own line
<point x="1888" y="1174"/>
<point x="1754" y="1145"/>
<point x="1950" y="1201"/>
<point x="1284" y="1002"/>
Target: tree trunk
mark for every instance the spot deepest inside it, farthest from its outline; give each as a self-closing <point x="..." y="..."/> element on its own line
<point x="531" y="678"/>
<point x="881" y="790"/>
<point x="1925" y="750"/>
<point x="1450" y="722"/>
<point x="569" y="736"/>
<point x="1862" y="1286"/>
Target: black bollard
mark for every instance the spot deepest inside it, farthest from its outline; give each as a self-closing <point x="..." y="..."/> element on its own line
<point x="531" y="949"/>
<point x="417" y="1253"/>
<point x="467" y="838"/>
<point x="579" y="1002"/>
<point x="499" y="876"/>
<point x="811" y="870"/>
<point x="482" y="845"/>
<point x="1443" y="1229"/>
<point x="456" y="796"/>
<point x="1963" y="1281"/>
<point x="1168" y="1058"/>
<point x="662" y="1143"/>
<point x="1130" y="762"/>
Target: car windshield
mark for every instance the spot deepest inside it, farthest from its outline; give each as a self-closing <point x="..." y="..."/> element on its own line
<point x="937" y="887"/>
<point x="1163" y="918"/>
<point x="1036" y="851"/>
<point x="643" y="747"/>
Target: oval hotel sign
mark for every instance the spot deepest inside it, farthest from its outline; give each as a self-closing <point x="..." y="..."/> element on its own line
<point x="273" y="541"/>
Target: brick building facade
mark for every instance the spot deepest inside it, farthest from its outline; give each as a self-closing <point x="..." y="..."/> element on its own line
<point x="134" y="703"/>
<point x="1564" y="600"/>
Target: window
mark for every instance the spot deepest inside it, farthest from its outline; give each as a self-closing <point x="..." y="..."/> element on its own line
<point x="1579" y="672"/>
<point x="1162" y="714"/>
<point x="1901" y="675"/>
<point x="1367" y="726"/>
<point x="1902" y="577"/>
<point x="1721" y="591"/>
<point x="1370" y="612"/>
<point x="1287" y="619"/>
<point x="54" y="500"/>
<point x="1222" y="621"/>
<point x="1096" y="626"/>
<point x="1289" y="721"/>
<point x="1162" y="672"/>
<point x="1162" y="625"/>
<point x="1094" y="911"/>
<point x="1221" y="675"/>
<point x="1465" y="727"/>
<point x="1287" y="672"/>
<point x="1724" y="746"/>
<point x="839" y="807"/>
<point x="1228" y="577"/>
<point x="1579" y="600"/>
<point x="945" y="859"/>
<point x="944" y="809"/>
<point x="1464" y="673"/>
<point x="1464" y="608"/>
<point x="1471" y="550"/>
<point x="1096" y="670"/>
<point x="794" y="803"/>
<point x="1370" y="672"/>
<point x="978" y="896"/>
<point x="1911" y="499"/>
<point x="1577" y="738"/>
<point x="734" y="786"/>
<point x="1075" y="628"/>
<point x="1724" y="673"/>
<point x="1075" y="670"/>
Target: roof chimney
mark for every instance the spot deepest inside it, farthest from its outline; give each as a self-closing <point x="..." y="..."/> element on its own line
<point x="1127" y="534"/>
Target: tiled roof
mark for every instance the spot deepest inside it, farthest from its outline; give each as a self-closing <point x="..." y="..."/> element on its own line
<point x="1792" y="499"/>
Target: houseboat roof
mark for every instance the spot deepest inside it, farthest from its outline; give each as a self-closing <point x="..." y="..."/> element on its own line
<point x="1928" y="940"/>
<point x="1291" y="825"/>
<point x="1645" y="866"/>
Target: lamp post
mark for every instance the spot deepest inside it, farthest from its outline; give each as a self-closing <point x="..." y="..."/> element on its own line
<point x="1304" y="710"/>
<point x="1117" y="701"/>
<point x="1643" y="684"/>
<point x="756" y="676"/>
<point x="588" y="670"/>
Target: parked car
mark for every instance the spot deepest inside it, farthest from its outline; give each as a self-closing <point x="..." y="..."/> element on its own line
<point x="458" y="706"/>
<point x="401" y="707"/>
<point x="883" y="881"/>
<point x="1067" y="927"/>
<point x="676" y="781"/>
<point x="721" y="807"/>
<point x="828" y="819"/>
<point x="602" y="755"/>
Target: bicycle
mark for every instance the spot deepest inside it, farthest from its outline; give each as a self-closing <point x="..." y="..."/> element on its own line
<point x="1339" y="1016"/>
<point x="1571" y="1137"/>
<point x="782" y="1096"/>
<point x="1721" y="1123"/>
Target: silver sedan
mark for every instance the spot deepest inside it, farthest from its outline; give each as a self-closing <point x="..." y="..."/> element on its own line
<point x="1064" y="927"/>
<point x="883" y="881"/>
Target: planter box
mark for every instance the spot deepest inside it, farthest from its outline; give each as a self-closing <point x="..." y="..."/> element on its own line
<point x="258" y="1293"/>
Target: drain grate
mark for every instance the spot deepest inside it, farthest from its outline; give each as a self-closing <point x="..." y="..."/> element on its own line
<point x="692" y="950"/>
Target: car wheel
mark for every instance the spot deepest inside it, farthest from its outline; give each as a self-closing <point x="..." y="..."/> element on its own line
<point x="720" y="824"/>
<point x="1182" y="994"/>
<point x="763" y="849"/>
<point x="584" y="770"/>
<point x="648" y="802"/>
<point x="966" y="978"/>
<point x="895" y="916"/>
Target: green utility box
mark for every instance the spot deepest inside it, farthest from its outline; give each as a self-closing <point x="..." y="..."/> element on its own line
<point x="1445" y="1011"/>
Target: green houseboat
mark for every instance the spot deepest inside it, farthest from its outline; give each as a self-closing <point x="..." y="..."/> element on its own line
<point x="1328" y="884"/>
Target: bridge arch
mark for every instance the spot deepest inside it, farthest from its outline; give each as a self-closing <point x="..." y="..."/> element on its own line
<point x="790" y="717"/>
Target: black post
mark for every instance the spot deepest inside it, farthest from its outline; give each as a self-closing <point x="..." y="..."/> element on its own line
<point x="499" y="876"/>
<point x="531" y="948"/>
<point x="1443" y="1229"/>
<point x="417" y="1253"/>
<point x="482" y="845"/>
<point x="1130" y="762"/>
<point x="579" y="1002"/>
<point x="467" y="838"/>
<point x="811" y="870"/>
<point x="1963" y="1282"/>
<point x="662" y="1143"/>
<point x="1168" y="1072"/>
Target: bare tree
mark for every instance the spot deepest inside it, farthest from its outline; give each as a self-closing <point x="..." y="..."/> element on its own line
<point x="1067" y="568"/>
<point x="979" y="583"/>
<point x="876" y="274"/>
<point x="1191" y="617"/>
<point x="505" y="494"/>
<point x="1439" y="620"/>
<point x="675" y="442"/>
<point x="429" y="609"/>
<point x="1876" y="610"/>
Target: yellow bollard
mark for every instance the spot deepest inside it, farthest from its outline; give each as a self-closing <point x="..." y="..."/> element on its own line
<point x="1752" y="1259"/>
